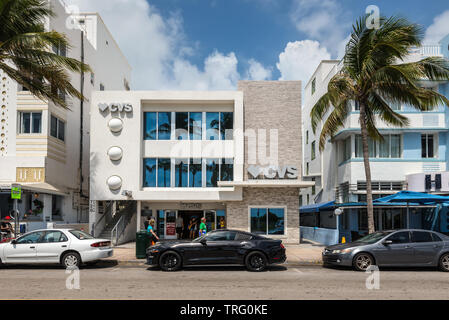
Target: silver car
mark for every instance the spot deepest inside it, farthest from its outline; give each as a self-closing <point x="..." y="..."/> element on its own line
<point x="399" y="248"/>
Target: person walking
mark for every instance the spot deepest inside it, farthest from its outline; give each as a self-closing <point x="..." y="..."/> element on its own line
<point x="179" y="226"/>
<point x="150" y="230"/>
<point x="193" y="229"/>
<point x="203" y="227"/>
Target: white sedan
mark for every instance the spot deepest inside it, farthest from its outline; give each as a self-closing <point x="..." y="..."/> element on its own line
<point x="67" y="247"/>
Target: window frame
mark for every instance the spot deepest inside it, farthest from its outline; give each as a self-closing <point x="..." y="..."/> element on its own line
<point x="20" y="124"/>
<point x="58" y="121"/>
<point x="312" y="150"/>
<point x="358" y="140"/>
<point x="268" y="207"/>
<point x="435" y="145"/>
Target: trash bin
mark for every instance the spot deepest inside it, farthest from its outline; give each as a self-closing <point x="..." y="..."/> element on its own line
<point x="142" y="243"/>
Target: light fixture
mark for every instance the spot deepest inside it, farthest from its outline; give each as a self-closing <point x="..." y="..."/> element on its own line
<point x="114" y="182"/>
<point x="115" y="153"/>
<point x="115" y="125"/>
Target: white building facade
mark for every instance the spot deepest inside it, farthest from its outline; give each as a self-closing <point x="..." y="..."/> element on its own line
<point x="44" y="147"/>
<point x="338" y="171"/>
<point x="233" y="157"/>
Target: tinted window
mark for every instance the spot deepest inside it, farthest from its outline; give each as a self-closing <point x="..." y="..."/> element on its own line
<point x="54" y="236"/>
<point x="149" y="173"/>
<point x="400" y="237"/>
<point x="422" y="236"/>
<point x="195" y="173"/>
<point x="212" y="172"/>
<point x="212" y="125"/>
<point x="81" y="235"/>
<point x="226" y="125"/>
<point x="31" y="238"/>
<point x="436" y="238"/>
<point x="164" y="125"/>
<point x="243" y="236"/>
<point x="181" y="173"/>
<point x="195" y="125"/>
<point x="227" y="170"/>
<point x="163" y="173"/>
<point x="182" y="122"/>
<point x="150" y="126"/>
<point x="221" y="236"/>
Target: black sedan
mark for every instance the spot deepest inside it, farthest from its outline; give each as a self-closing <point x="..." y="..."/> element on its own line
<point x="401" y="248"/>
<point x="220" y="247"/>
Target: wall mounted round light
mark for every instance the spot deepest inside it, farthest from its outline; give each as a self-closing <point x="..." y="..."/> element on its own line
<point x="115" y="125"/>
<point x="114" y="182"/>
<point x="115" y="153"/>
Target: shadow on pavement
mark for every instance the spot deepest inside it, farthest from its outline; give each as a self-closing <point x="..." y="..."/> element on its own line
<point x="393" y="269"/>
<point x="99" y="265"/>
<point x="219" y="268"/>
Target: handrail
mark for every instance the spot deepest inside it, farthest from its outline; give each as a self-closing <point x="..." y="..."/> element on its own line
<point x="125" y="217"/>
<point x="115" y="230"/>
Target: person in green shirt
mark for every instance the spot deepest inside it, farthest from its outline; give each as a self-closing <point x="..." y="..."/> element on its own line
<point x="203" y="228"/>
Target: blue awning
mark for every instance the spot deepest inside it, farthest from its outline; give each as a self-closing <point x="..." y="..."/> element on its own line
<point x="317" y="207"/>
<point x="415" y="197"/>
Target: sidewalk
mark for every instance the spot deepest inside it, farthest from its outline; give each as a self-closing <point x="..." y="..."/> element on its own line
<point x="297" y="255"/>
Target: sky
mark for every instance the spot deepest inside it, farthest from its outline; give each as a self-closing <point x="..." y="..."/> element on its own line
<point x="211" y="44"/>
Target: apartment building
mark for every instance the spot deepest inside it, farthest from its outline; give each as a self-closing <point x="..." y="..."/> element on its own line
<point x="401" y="162"/>
<point x="44" y="147"/>
<point x="233" y="157"/>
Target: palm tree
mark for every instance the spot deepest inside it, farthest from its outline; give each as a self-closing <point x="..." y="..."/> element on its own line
<point x="25" y="51"/>
<point x="375" y="76"/>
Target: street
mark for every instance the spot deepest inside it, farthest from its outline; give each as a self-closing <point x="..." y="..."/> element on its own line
<point x="279" y="282"/>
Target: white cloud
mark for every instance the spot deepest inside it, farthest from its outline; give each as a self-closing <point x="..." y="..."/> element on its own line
<point x="157" y="49"/>
<point x="324" y="21"/>
<point x="257" y="71"/>
<point x="299" y="60"/>
<point x="438" y="29"/>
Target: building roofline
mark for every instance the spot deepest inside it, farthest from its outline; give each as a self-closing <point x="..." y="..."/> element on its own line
<point x="318" y="67"/>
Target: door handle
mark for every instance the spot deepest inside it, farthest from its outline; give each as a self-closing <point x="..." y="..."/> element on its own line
<point x="32" y="247"/>
<point x="64" y="246"/>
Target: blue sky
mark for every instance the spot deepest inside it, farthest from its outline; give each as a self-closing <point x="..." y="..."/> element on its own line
<point x="211" y="44"/>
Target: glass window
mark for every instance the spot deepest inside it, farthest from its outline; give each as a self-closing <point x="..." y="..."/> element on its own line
<point x="81" y="235"/>
<point x="212" y="125"/>
<point x="54" y="236"/>
<point x="149" y="173"/>
<point x="359" y="147"/>
<point x="226" y="125"/>
<point x="221" y="236"/>
<point x="313" y="85"/>
<point x="400" y="237"/>
<point x="436" y="238"/>
<point x="212" y="172"/>
<point x="307" y="137"/>
<point x="30" y="122"/>
<point x="163" y="173"/>
<point x="195" y="173"/>
<point x="384" y="147"/>
<point x="61" y="130"/>
<point x="33" y="237"/>
<point x="427" y="146"/>
<point x="313" y="150"/>
<point x="258" y="221"/>
<point x="181" y="173"/>
<point x="195" y="125"/>
<point x="421" y="236"/>
<point x="227" y="170"/>
<point x="347" y="149"/>
<point x="150" y="119"/>
<point x="396" y="146"/>
<point x="182" y="125"/>
<point x="275" y="221"/>
<point x="164" y="125"/>
<point x="221" y="219"/>
<point x="54" y="127"/>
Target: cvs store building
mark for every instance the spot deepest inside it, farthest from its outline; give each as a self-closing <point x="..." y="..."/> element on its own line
<point x="233" y="157"/>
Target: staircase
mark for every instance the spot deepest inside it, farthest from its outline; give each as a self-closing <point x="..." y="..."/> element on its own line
<point x="117" y="218"/>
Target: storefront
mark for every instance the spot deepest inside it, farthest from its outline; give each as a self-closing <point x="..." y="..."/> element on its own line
<point x="231" y="157"/>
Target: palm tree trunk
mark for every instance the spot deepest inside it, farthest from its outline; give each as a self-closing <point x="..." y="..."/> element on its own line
<point x="369" y="191"/>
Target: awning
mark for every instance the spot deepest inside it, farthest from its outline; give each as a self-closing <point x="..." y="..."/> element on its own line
<point x="362" y="205"/>
<point x="317" y="207"/>
<point x="413" y="197"/>
<point x="41" y="187"/>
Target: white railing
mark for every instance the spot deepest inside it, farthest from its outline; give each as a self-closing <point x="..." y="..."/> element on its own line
<point x="430" y="50"/>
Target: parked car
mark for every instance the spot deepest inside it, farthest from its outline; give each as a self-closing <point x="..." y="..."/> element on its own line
<point x="219" y="247"/>
<point x="399" y="248"/>
<point x="67" y="247"/>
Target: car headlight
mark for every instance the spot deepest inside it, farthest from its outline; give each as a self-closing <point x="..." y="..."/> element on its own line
<point x="342" y="251"/>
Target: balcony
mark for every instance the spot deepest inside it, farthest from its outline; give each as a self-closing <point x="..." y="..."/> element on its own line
<point x="432" y="50"/>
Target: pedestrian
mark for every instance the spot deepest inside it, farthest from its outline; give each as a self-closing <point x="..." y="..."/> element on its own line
<point x="203" y="228"/>
<point x="150" y="230"/>
<point x="146" y="223"/>
<point x="222" y="223"/>
<point x="179" y="226"/>
<point x="193" y="229"/>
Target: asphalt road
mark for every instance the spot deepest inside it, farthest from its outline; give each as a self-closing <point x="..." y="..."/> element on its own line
<point x="113" y="282"/>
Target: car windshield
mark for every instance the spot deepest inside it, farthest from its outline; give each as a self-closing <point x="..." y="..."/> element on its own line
<point x="372" y="238"/>
<point x="81" y="235"/>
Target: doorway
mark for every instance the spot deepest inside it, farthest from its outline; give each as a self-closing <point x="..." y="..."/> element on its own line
<point x="186" y="217"/>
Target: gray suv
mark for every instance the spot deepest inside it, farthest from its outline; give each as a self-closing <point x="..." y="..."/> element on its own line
<point x="401" y="248"/>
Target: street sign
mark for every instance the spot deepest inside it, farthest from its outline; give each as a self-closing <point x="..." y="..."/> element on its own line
<point x="16" y="192"/>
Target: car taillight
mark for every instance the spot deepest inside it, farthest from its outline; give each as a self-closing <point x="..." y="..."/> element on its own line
<point x="101" y="244"/>
<point x="282" y="246"/>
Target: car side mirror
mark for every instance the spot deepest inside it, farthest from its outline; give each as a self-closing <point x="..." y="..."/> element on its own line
<point x="13" y="241"/>
<point x="387" y="242"/>
<point x="203" y="241"/>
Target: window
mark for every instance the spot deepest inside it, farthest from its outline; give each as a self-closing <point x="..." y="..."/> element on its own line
<point x="307" y="169"/>
<point x="212" y="125"/>
<point x="92" y="78"/>
<point x="313" y="85"/>
<point x="60" y="50"/>
<point x="221" y="236"/>
<point x="313" y="150"/>
<point x="267" y="221"/>
<point x="102" y="87"/>
<point x="347" y="149"/>
<point x="308" y="199"/>
<point x="435" y="237"/>
<point x="226" y="125"/>
<point x="30" y="122"/>
<point x="181" y="173"/>
<point x="313" y="188"/>
<point x="57" y="128"/>
<point x="182" y="125"/>
<point x="195" y="125"/>
<point x="427" y="146"/>
<point x="421" y="236"/>
<point x="31" y="238"/>
<point x="150" y="126"/>
<point x="227" y="170"/>
<point x="307" y="137"/>
<point x="212" y="172"/>
<point x="400" y="237"/>
<point x="163" y="173"/>
<point x="149" y="173"/>
<point x="195" y="173"/>
<point x="164" y="125"/>
<point x="54" y="236"/>
<point x="81" y="235"/>
<point x="390" y="147"/>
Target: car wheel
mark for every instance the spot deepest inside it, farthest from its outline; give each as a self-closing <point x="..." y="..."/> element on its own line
<point x="363" y="261"/>
<point x="444" y="262"/>
<point x="256" y="261"/>
<point x="170" y="261"/>
<point x="71" y="260"/>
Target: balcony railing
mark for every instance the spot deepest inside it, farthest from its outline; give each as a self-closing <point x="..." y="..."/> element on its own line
<point x="429" y="50"/>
